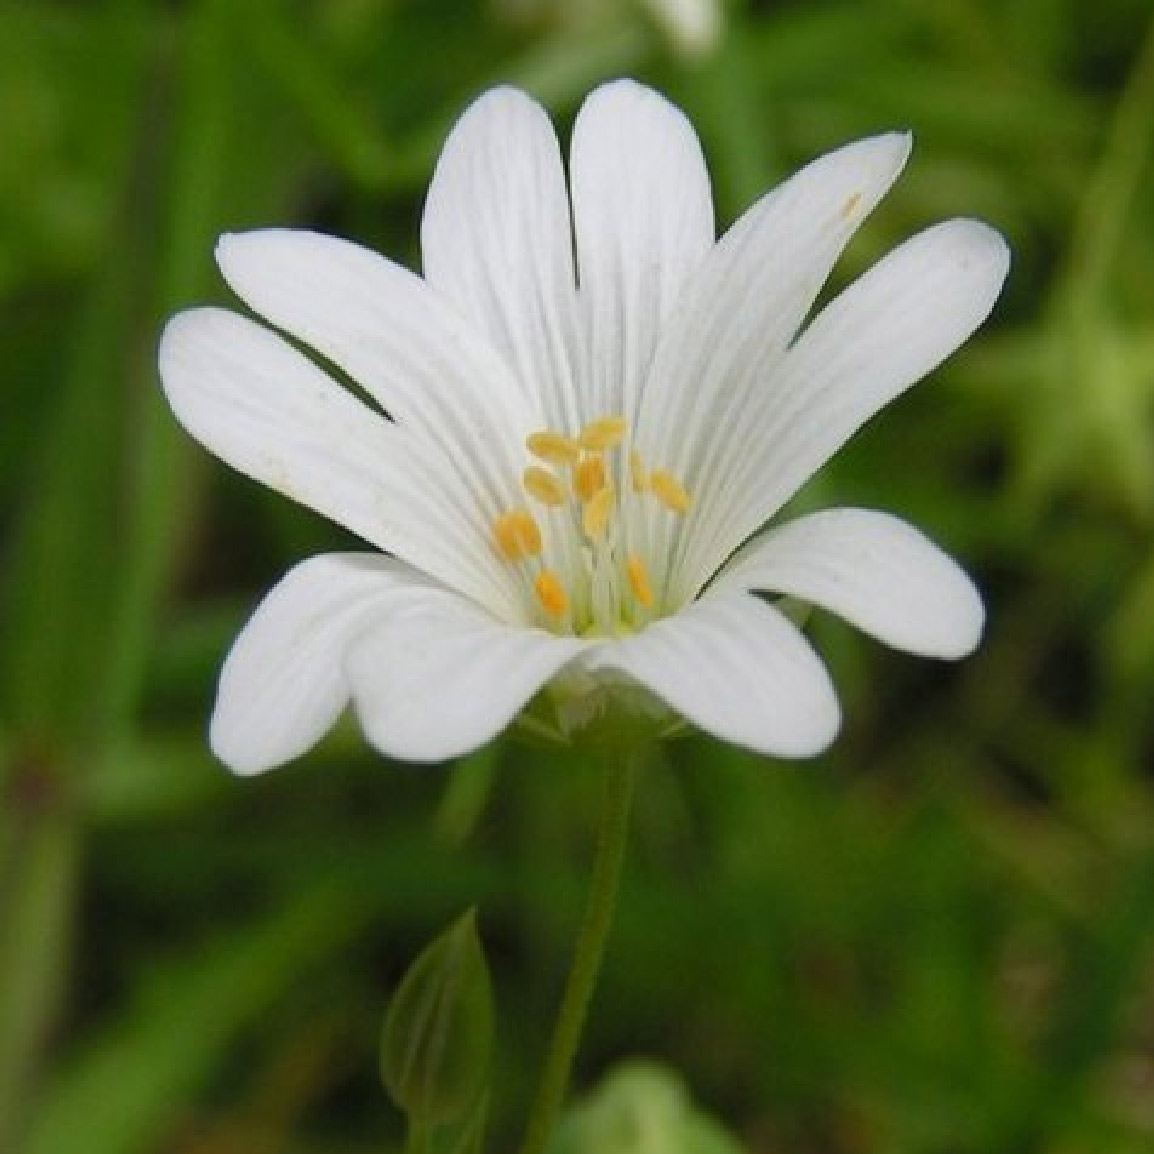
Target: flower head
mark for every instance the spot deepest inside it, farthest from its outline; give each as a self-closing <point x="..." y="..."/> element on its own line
<point x="571" y="432"/>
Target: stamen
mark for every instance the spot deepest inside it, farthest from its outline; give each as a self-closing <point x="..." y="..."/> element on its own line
<point x="589" y="477"/>
<point x="551" y="593"/>
<point x="598" y="587"/>
<point x="556" y="448"/>
<point x="595" y="514"/>
<point x="517" y="535"/>
<point x="543" y="485"/>
<point x="604" y="433"/>
<point x="637" y="474"/>
<point x="669" y="491"/>
<point x="639" y="580"/>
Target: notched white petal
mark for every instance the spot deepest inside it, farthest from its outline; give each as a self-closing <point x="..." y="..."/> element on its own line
<point x="886" y="331"/>
<point x="419" y="359"/>
<point x="876" y="571"/>
<point x="756" y="286"/>
<point x="269" y="412"/>
<point x="712" y="381"/>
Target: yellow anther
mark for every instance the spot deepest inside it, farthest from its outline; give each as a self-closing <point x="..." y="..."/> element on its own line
<point x="517" y="535"/>
<point x="850" y="206"/>
<point x="595" y="513"/>
<point x="556" y="448"/>
<point x="551" y="593"/>
<point x="637" y="474"/>
<point x="543" y="485"/>
<point x="639" y="580"/>
<point x="604" y="433"/>
<point x="669" y="491"/>
<point x="589" y="477"/>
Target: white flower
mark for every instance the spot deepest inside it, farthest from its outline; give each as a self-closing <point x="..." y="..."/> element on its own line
<point x="693" y="26"/>
<point x="593" y="408"/>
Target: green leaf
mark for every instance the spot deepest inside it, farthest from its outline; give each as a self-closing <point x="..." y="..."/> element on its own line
<point x="438" y="1034"/>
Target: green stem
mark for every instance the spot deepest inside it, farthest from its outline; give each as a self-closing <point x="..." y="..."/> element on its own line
<point x="1100" y="227"/>
<point x="620" y="775"/>
<point x="418" y="1140"/>
<point x="39" y="861"/>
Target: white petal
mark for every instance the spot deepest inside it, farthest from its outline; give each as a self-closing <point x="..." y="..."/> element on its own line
<point x="414" y="354"/>
<point x="643" y="219"/>
<point x="751" y="295"/>
<point x="497" y="243"/>
<point x="283" y="684"/>
<point x="442" y="678"/>
<point x="713" y="373"/>
<point x="259" y="405"/>
<point x="269" y="412"/>
<point x="890" y="328"/>
<point x="876" y="571"/>
<point x="737" y="668"/>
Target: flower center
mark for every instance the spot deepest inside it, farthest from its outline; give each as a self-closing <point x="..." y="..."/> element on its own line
<point x="579" y="543"/>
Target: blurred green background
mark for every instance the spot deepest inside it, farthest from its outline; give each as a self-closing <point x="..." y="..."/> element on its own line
<point x="937" y="939"/>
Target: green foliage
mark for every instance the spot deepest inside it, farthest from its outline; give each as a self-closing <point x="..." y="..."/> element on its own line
<point x="125" y="1092"/>
<point x="939" y="937"/>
